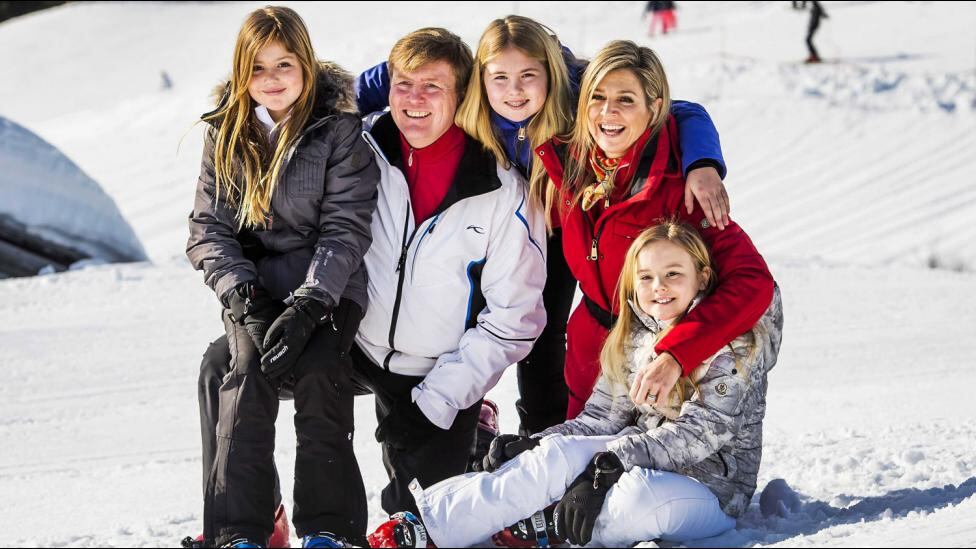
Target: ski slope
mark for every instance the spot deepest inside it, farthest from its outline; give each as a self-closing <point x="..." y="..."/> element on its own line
<point x="853" y="178"/>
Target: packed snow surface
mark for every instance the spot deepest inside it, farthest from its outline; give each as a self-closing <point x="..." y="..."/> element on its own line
<point x="854" y="178"/>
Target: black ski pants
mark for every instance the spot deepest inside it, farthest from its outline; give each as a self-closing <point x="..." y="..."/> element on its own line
<point x="544" y="397"/>
<point x="239" y="498"/>
<point x="446" y="454"/>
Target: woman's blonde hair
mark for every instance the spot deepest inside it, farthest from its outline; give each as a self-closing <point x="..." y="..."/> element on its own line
<point x="555" y="118"/>
<point x="613" y="356"/>
<point x="617" y="55"/>
<point x="246" y="165"/>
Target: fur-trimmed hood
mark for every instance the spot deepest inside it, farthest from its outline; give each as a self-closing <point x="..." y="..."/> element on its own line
<point x="335" y="92"/>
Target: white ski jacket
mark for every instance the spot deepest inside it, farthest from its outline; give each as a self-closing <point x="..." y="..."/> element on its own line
<point x="456" y="298"/>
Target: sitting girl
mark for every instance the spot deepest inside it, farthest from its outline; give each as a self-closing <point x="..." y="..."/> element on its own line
<point x="676" y="470"/>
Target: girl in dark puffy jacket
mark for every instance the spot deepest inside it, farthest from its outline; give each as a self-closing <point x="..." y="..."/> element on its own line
<point x="279" y="227"/>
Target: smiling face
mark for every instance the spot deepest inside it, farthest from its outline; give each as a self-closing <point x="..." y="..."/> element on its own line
<point x="516" y="84"/>
<point x="667" y="280"/>
<point x="423" y="102"/>
<point x="277" y="80"/>
<point x="618" y="113"/>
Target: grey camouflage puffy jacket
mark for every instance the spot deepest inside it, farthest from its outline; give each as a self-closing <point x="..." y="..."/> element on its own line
<point x="716" y="438"/>
<point x="321" y="210"/>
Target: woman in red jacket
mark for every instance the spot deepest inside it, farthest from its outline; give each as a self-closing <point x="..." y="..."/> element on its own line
<point x="618" y="172"/>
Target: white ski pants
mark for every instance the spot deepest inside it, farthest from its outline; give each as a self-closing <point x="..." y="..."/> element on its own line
<point x="645" y="504"/>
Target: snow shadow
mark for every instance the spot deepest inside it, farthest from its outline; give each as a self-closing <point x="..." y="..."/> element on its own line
<point x="816" y="515"/>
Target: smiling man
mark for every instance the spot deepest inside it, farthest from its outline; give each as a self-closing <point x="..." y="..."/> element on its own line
<point x="456" y="272"/>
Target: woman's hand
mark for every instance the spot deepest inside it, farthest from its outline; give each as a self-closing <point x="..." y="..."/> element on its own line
<point x="653" y="384"/>
<point x="705" y="185"/>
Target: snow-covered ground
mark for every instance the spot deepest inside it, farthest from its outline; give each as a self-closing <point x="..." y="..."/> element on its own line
<point x="853" y="177"/>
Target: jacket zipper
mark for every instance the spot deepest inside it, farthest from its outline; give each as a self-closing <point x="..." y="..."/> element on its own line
<point x="594" y="246"/>
<point x="400" y="268"/>
<point x="416" y="253"/>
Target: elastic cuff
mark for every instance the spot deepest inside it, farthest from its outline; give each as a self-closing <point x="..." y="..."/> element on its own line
<point x="440" y="414"/>
<point x="704" y="163"/>
<point x="228" y="283"/>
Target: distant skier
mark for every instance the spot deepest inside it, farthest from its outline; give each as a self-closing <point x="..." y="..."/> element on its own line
<point x="662" y="12"/>
<point x="816" y="14"/>
<point x="167" y="81"/>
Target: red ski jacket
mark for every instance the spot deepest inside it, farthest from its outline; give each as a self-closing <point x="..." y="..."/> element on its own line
<point x="595" y="251"/>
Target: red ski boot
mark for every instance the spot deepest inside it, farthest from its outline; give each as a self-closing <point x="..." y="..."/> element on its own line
<point x="280" y="537"/>
<point x="402" y="530"/>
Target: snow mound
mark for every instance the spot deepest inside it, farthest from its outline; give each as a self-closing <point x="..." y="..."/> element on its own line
<point x="53" y="199"/>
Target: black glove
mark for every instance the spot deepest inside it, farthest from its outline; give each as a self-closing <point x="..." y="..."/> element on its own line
<point x="289" y="334"/>
<point x="504" y="448"/>
<point x="252" y="307"/>
<point x="405" y="427"/>
<point x="581" y="504"/>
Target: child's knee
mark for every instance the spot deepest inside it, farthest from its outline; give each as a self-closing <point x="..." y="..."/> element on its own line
<point x="215" y="364"/>
<point x="647" y="504"/>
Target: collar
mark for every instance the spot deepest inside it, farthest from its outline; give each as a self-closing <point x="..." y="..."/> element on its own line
<point x="445" y="146"/>
<point x="506" y="125"/>
<point x="476" y="174"/>
<point x="626" y="165"/>
<point x="264" y="117"/>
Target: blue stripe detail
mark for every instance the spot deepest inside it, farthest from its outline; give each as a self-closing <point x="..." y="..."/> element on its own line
<point x="472" y="265"/>
<point x="518" y="214"/>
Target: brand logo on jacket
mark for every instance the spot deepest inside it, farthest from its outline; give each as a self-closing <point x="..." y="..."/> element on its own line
<point x="475" y="228"/>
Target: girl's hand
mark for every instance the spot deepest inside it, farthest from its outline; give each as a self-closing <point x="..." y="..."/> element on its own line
<point x="705" y="185"/>
<point x="653" y="384"/>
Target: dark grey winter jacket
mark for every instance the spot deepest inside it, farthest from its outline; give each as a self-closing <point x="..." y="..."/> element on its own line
<point x="716" y="438"/>
<point x="321" y="210"/>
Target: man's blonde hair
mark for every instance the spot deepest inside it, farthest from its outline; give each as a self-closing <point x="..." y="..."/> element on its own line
<point x="432" y="44"/>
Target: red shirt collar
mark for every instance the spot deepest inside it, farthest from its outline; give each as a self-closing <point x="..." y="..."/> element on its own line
<point x="445" y="147"/>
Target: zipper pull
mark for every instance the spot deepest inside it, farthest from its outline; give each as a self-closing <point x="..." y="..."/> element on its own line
<point x="521" y="134"/>
<point x="410" y="158"/>
<point x="270" y="221"/>
<point x="402" y="261"/>
<point x="594" y="255"/>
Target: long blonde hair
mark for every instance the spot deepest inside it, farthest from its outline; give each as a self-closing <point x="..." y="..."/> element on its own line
<point x="246" y="165"/>
<point x="613" y="356"/>
<point x="619" y="54"/>
<point x="555" y="118"/>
